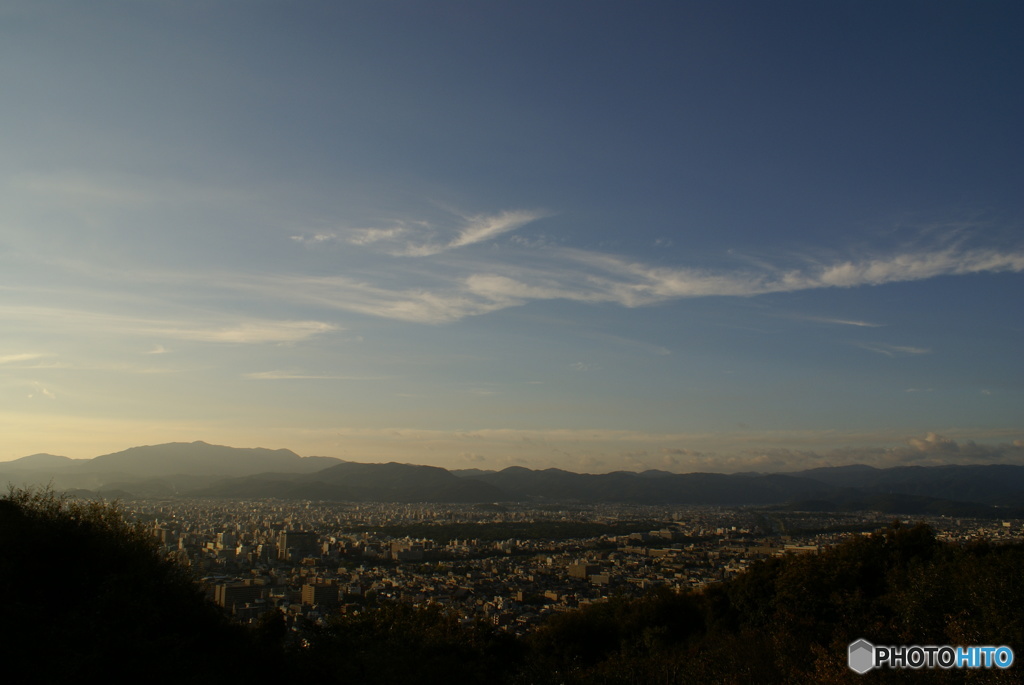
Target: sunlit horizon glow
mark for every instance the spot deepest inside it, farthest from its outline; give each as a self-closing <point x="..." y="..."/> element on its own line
<point x="698" y="237"/>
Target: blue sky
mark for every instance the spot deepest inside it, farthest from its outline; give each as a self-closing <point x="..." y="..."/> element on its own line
<point x="711" y="236"/>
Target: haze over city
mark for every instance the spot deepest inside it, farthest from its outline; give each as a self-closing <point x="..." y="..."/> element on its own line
<point x="585" y="235"/>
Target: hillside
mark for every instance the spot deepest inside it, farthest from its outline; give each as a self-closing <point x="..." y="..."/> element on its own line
<point x="86" y="593"/>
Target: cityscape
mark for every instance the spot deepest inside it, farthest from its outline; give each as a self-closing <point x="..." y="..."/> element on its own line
<point x="309" y="560"/>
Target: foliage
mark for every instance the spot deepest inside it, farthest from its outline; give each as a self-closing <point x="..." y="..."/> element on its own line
<point x="791" y="619"/>
<point x="397" y="643"/>
<point x="84" y="591"/>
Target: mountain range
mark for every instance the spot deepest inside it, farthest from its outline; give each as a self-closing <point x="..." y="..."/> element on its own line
<point x="199" y="469"/>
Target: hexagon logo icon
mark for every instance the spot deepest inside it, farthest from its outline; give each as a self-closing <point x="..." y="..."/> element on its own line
<point x="862" y="656"/>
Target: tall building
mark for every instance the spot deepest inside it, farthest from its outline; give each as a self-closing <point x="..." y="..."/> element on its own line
<point x="293" y="545"/>
<point x="583" y="570"/>
<point x="231" y="595"/>
<point x="407" y="551"/>
<point x="320" y="593"/>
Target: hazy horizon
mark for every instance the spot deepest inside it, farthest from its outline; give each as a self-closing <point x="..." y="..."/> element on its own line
<point x="592" y="236"/>
<point x="931" y="450"/>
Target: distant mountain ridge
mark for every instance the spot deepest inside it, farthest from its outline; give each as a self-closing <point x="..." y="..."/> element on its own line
<point x="356" y="482"/>
<point x="157" y="470"/>
<point x="203" y="470"/>
<point x="200" y="458"/>
<point x="995" y="484"/>
<point x="41" y="460"/>
<point x="650" y="487"/>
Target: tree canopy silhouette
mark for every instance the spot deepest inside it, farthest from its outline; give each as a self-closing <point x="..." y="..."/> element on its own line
<point x="86" y="592"/>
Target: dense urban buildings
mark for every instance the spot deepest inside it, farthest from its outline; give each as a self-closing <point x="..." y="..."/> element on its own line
<point x="509" y="564"/>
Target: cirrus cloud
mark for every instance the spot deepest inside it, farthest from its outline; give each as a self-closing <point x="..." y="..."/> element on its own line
<point x="448" y="287"/>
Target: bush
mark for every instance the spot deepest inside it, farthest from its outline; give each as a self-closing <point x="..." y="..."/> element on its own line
<point x="83" y="591"/>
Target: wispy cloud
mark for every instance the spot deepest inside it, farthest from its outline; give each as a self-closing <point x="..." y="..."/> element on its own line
<point x="292" y="376"/>
<point x="39" y="390"/>
<point x="21" y="357"/>
<point x="245" y="331"/>
<point x="370" y="236"/>
<point x="419" y="305"/>
<point x="915" y="267"/>
<point x="840" y="322"/>
<point x="457" y="287"/>
<point x="447" y="282"/>
<point x="483" y="227"/>
<point x="426" y="239"/>
<point x="100" y="366"/>
<point x="893" y="350"/>
<point x="632" y="283"/>
<point x="315" y="239"/>
<point x="249" y="332"/>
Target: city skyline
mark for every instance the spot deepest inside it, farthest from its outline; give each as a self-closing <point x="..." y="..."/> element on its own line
<point x="590" y="236"/>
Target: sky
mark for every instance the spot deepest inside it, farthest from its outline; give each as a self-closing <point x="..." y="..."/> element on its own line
<point x="596" y="236"/>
